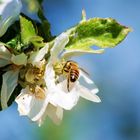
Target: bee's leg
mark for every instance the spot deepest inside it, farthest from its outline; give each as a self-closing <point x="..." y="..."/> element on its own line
<point x="68" y="83"/>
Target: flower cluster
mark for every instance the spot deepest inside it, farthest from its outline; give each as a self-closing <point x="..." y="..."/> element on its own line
<point x="50" y="81"/>
<point x="44" y="86"/>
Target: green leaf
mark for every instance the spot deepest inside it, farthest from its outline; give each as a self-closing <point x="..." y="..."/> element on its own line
<point x="14" y="44"/>
<point x="37" y="41"/>
<point x="40" y="1"/>
<point x="45" y="27"/>
<point x="101" y="32"/>
<point x="27" y="30"/>
<point x="12" y="32"/>
<point x="44" y="30"/>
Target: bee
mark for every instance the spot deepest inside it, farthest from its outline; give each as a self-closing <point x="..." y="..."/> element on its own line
<point x="72" y="70"/>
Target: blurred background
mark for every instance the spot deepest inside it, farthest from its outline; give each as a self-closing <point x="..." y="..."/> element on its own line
<point x="116" y="73"/>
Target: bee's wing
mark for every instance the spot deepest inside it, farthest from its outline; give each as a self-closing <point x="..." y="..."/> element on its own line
<point x="84" y="71"/>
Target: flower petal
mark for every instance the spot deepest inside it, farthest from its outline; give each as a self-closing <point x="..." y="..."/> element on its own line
<point x="4" y="53"/>
<point x="38" y="107"/>
<point x="10" y="79"/>
<point x="9" y="11"/>
<point x="24" y="102"/>
<point x="88" y="94"/>
<point x="59" y="113"/>
<point x="59" y="45"/>
<point x="59" y="96"/>
<point x="55" y="113"/>
<point x="36" y="57"/>
<point x="87" y="88"/>
<point x="4" y="62"/>
<point x="29" y="105"/>
<point x="49" y="76"/>
<point x="20" y="59"/>
<point x="71" y="53"/>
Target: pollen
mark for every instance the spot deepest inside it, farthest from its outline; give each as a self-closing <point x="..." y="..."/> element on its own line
<point x="34" y="74"/>
<point x="39" y="93"/>
<point x="31" y="89"/>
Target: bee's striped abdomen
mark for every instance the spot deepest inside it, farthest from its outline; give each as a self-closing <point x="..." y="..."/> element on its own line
<point x="74" y="75"/>
<point x="71" y="70"/>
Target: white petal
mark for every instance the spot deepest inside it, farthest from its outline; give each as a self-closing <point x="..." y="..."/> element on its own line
<point x="9" y="11"/>
<point x="43" y="117"/>
<point x="4" y="62"/>
<point x="49" y="76"/>
<point x="20" y="59"/>
<point x="40" y="121"/>
<point x="87" y="88"/>
<point x="54" y="113"/>
<point x="36" y="57"/>
<point x="29" y="105"/>
<point x="4" y="53"/>
<point x="24" y="102"/>
<point x="59" y="45"/>
<point x="10" y="79"/>
<point x="38" y="107"/>
<point x="59" y="96"/>
<point x="71" y="53"/>
<point x="59" y="113"/>
<point x="88" y="94"/>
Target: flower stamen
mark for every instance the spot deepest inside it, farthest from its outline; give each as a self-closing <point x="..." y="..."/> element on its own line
<point x="37" y="91"/>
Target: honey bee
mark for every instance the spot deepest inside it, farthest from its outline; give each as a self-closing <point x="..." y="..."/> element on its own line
<point x="72" y="70"/>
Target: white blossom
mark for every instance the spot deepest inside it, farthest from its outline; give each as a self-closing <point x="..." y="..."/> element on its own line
<point x="9" y="83"/>
<point x="5" y="56"/>
<point x="10" y="77"/>
<point x="53" y="97"/>
<point x="59" y="95"/>
<point x="36" y="104"/>
<point x="36" y="108"/>
<point x="9" y="11"/>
